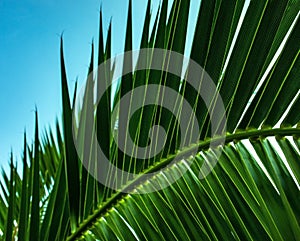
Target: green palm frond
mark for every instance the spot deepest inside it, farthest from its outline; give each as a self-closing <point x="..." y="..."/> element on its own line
<point x="252" y="193"/>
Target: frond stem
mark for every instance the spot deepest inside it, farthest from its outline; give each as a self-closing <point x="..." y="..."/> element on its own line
<point x="202" y="145"/>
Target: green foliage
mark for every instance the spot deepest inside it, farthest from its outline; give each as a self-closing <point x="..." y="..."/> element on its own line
<point x="253" y="191"/>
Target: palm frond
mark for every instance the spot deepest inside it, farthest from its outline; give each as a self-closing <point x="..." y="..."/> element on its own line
<point x="251" y="53"/>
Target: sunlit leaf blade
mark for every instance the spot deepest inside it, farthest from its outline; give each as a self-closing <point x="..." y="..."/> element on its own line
<point x="85" y="131"/>
<point x="140" y="79"/>
<point x="103" y="112"/>
<point x="153" y="31"/>
<point x="126" y="86"/>
<point x="11" y="204"/>
<point x="293" y="115"/>
<point x="55" y="209"/>
<point x="274" y="97"/>
<point x="71" y="160"/>
<point x="35" y="206"/>
<point x="103" y="108"/>
<point x="154" y="76"/>
<point x="249" y="56"/>
<point x="215" y="28"/>
<point x="288" y="91"/>
<point x="74" y="95"/>
<point x="23" y="220"/>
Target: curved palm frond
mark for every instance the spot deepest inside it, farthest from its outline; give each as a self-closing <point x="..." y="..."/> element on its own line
<point x="252" y="192"/>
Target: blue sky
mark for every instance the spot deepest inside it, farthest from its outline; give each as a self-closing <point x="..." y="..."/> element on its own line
<point x="29" y="59"/>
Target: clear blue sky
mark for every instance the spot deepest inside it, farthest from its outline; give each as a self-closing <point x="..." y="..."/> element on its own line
<point x="29" y="56"/>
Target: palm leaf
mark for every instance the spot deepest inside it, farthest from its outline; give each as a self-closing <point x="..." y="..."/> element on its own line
<point x="252" y="193"/>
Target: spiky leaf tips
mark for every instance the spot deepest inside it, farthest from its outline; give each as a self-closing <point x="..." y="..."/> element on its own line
<point x="250" y="187"/>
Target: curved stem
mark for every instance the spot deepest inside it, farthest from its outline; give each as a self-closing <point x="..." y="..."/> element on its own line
<point x="202" y="145"/>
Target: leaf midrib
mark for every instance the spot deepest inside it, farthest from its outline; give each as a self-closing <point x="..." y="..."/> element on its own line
<point x="202" y="145"/>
